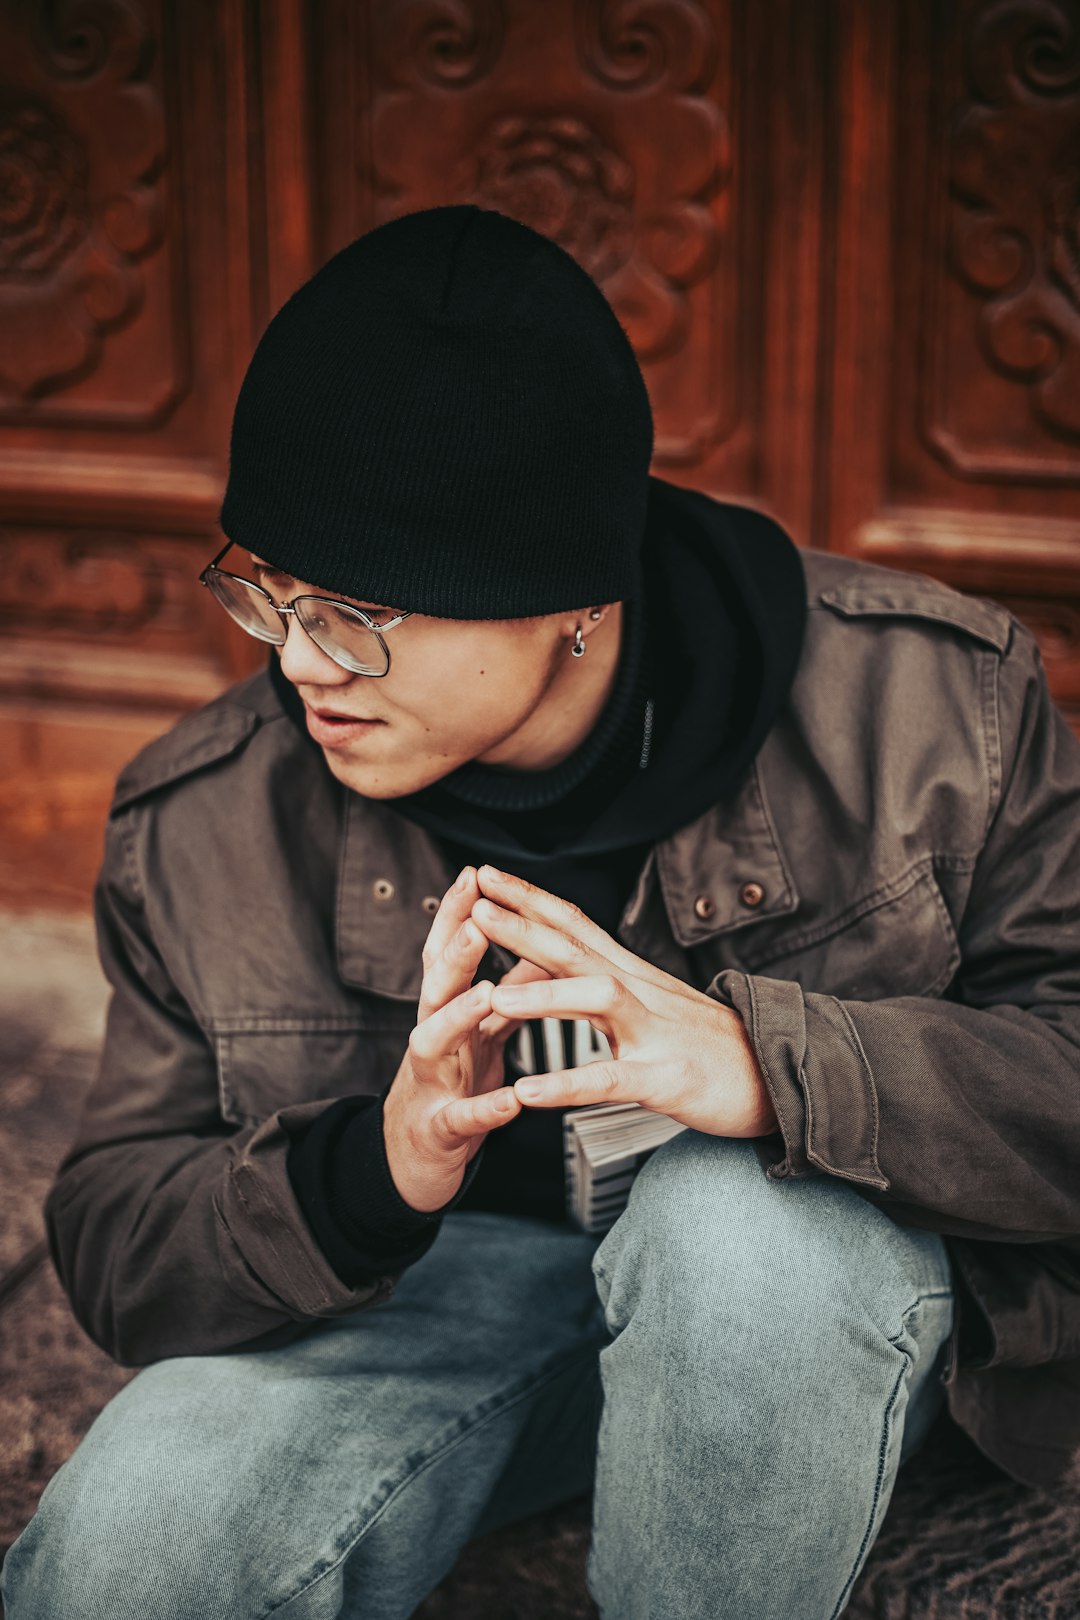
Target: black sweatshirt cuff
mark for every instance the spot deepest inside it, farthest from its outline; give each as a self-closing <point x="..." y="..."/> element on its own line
<point x="342" y="1182"/>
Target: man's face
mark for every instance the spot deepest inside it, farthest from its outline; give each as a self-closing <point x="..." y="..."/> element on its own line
<point x="497" y="691"/>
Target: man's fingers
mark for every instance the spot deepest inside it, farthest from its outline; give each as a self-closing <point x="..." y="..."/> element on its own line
<point x="522" y="972"/>
<point x="452" y="971"/>
<point x="442" y="1032"/>
<point x="560" y="953"/>
<point x="437" y="986"/>
<point x="596" y="1082"/>
<point x="454" y="907"/>
<point x="562" y="937"/>
<point x="600" y="997"/>
<point x="465" y="1117"/>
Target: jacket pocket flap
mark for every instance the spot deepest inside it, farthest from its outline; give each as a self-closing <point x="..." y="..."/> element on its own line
<point x="261" y="1070"/>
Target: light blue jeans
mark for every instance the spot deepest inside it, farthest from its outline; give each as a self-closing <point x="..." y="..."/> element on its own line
<point x="737" y="1369"/>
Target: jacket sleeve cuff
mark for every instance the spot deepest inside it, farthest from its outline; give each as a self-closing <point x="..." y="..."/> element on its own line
<point x="817" y="1074"/>
<point x="266" y="1244"/>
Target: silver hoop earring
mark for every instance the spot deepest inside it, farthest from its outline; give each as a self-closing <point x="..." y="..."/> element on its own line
<point x="578" y="649"/>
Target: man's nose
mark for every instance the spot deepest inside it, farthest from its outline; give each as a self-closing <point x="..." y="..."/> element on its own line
<point x="305" y="664"/>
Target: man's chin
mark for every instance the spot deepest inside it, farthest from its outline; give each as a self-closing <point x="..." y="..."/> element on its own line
<point x="374" y="781"/>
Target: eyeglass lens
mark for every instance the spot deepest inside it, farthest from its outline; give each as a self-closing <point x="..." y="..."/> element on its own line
<point x="342" y="635"/>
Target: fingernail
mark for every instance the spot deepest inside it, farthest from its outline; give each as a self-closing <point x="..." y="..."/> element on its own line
<point x="505" y="1100"/>
<point x="494" y="873"/>
<point x="531" y="1090"/>
<point x="462" y="880"/>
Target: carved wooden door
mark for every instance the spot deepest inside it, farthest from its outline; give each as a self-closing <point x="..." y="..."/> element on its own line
<point x="843" y="238"/>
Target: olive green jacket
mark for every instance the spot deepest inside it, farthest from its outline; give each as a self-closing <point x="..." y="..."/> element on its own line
<point x="891" y="901"/>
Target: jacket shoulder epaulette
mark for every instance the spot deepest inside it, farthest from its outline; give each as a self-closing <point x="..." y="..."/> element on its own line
<point x="854" y="588"/>
<point x="204" y="737"/>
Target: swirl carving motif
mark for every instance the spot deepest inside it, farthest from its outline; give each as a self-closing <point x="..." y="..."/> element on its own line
<point x="80" y="194"/>
<point x="1015" y="199"/>
<point x="563" y="134"/>
<point x="637" y="44"/>
<point x="556" y="175"/>
<point x="43" y="206"/>
<point x="90" y="584"/>
<point x="562" y="129"/>
<point x="452" y="44"/>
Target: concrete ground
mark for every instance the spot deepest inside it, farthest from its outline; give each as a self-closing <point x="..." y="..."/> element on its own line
<point x="960" y="1540"/>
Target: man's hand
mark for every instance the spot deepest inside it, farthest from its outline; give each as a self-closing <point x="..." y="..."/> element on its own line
<point x="674" y="1049"/>
<point x="448" y="1091"/>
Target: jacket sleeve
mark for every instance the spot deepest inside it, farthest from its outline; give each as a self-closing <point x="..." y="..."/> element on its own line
<point x="172" y="1232"/>
<point x="960" y="1115"/>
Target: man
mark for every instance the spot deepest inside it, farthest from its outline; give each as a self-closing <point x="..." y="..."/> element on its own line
<point x="796" y="839"/>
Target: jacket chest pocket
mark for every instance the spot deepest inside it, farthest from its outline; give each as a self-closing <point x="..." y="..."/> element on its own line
<point x="897" y="941"/>
<point x="268" y="1066"/>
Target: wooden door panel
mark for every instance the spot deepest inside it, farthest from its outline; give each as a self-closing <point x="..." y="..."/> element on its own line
<point x="843" y="240"/>
<point x="674" y="150"/>
<point x="126" y="318"/>
<point x="955" y="445"/>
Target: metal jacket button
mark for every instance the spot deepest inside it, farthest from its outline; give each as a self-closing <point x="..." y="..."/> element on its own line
<point x="383" y="889"/>
<point x="430" y="904"/>
<point x="751" y="894"/>
<point x="703" y="906"/>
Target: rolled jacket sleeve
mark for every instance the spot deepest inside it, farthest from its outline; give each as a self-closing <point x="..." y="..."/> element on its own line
<point x="961" y="1115"/>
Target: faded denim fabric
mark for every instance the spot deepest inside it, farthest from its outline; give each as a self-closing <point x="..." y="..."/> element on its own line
<point x="738" y="1368"/>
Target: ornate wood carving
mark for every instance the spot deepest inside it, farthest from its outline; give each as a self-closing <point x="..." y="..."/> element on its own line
<point x="104" y="614"/>
<point x="605" y="125"/>
<point x="1015" y="183"/>
<point x="1007" y="268"/>
<point x="845" y="241"/>
<point x="53" y="584"/>
<point x="89" y="282"/>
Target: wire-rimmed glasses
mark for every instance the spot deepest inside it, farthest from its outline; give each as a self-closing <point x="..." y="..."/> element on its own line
<point x="345" y="633"/>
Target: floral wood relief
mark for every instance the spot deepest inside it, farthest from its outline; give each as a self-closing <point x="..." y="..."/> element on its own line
<point x="603" y="125"/>
<point x="82" y="214"/>
<point x="97" y="586"/>
<point x="1014" y="174"/>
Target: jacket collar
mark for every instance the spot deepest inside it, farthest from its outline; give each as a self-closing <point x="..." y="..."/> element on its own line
<point x="392" y="876"/>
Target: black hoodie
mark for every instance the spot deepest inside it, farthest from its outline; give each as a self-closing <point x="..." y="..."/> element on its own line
<point x="707" y="655"/>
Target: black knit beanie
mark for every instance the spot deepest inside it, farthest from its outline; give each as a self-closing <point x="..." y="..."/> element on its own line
<point x="448" y="417"/>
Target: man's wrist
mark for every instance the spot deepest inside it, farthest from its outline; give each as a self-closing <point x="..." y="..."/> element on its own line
<point x="761" y="1111"/>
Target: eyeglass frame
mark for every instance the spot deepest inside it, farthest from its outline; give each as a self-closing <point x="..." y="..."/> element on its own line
<point x="289" y="607"/>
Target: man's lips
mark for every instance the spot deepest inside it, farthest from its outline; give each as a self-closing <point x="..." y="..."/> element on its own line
<point x="342" y="714"/>
<point x="332" y="728"/>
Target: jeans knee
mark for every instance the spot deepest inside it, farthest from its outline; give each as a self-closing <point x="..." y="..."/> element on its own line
<point x="94" y="1549"/>
<point x="715" y="1260"/>
<point x="137" y="1523"/>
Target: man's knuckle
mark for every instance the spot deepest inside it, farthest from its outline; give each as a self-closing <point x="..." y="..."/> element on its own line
<point x="444" y="1126"/>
